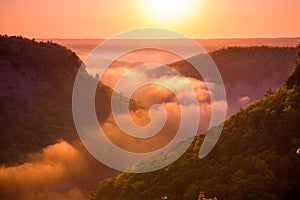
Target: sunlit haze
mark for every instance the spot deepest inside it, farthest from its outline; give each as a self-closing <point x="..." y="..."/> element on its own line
<point x="149" y="99"/>
<point x="168" y="11"/>
<point x="195" y="18"/>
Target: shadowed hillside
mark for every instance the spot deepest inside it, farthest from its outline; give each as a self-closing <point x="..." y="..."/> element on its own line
<point x="36" y="84"/>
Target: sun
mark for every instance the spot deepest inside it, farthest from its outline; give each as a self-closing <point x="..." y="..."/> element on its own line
<point x="168" y="10"/>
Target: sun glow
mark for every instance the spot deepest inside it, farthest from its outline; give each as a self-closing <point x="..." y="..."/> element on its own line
<point x="168" y="10"/>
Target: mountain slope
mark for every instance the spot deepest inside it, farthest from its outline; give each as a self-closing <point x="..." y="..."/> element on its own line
<point x="36" y="84"/>
<point x="247" y="72"/>
<point x="255" y="158"/>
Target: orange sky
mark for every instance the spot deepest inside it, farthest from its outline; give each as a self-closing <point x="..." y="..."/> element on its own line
<point x="104" y="18"/>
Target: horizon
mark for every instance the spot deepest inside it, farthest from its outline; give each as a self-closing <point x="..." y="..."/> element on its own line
<point x="225" y="38"/>
<point x="197" y="19"/>
<point x="82" y="47"/>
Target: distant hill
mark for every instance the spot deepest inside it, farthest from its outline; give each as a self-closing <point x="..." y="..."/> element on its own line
<point x="255" y="158"/>
<point x="82" y="47"/>
<point x="216" y="44"/>
<point x="247" y="72"/>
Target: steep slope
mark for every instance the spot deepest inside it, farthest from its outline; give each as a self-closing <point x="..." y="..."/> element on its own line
<point x="36" y="84"/>
<point x="255" y="158"/>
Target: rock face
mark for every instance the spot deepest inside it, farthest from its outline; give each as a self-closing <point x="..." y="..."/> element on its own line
<point x="36" y="81"/>
<point x="22" y="82"/>
<point x="28" y="67"/>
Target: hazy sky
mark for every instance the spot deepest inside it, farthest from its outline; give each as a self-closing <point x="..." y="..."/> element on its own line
<point x="195" y="18"/>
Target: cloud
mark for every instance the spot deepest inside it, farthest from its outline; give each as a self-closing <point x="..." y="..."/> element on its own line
<point x="153" y="93"/>
<point x="244" y="100"/>
<point x="51" y="174"/>
<point x="137" y="144"/>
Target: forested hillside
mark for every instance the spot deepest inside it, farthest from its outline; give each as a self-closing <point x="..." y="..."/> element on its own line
<point x="36" y="84"/>
<point x="255" y="158"/>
